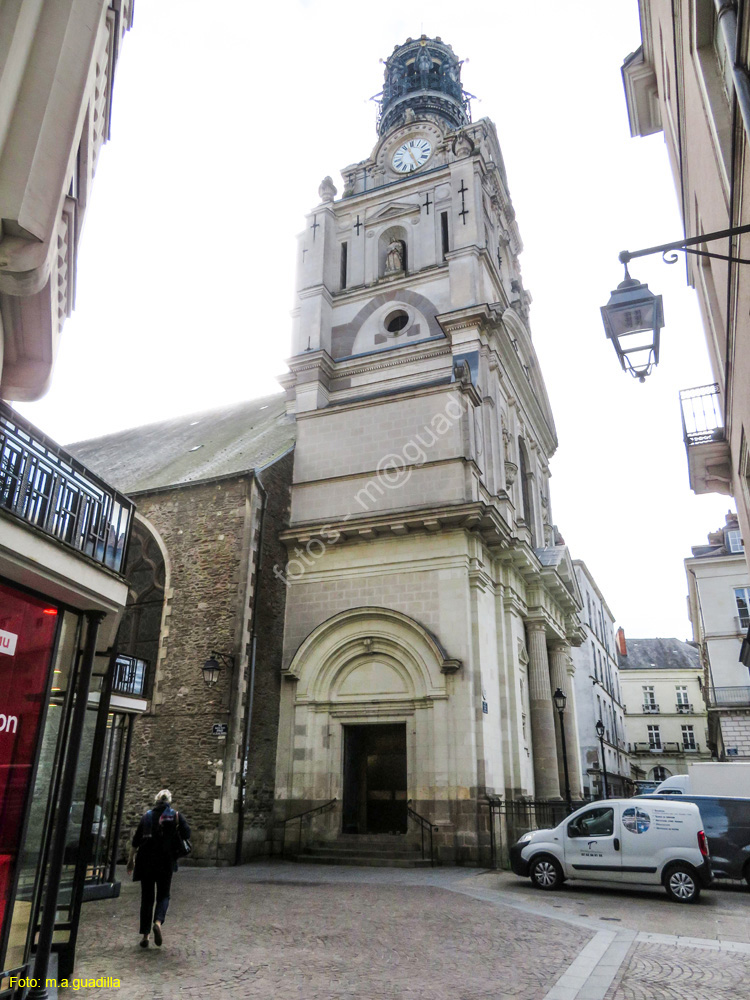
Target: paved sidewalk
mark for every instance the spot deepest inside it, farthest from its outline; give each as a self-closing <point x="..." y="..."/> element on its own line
<point x="285" y="931"/>
<point x="309" y="932"/>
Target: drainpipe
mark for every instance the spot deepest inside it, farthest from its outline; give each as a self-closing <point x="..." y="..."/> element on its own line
<point x="47" y="928"/>
<point x="247" y="729"/>
<point x="726" y="15"/>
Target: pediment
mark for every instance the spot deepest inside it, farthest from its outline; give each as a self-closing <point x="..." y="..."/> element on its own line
<point x="394" y="210"/>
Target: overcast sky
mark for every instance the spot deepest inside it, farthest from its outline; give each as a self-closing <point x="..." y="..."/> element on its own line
<point x="225" y="121"/>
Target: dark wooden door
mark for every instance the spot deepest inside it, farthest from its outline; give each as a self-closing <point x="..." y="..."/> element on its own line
<point x="375" y="779"/>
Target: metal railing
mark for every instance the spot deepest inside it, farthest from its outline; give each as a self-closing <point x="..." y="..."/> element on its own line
<point x="425" y="826"/>
<point x="722" y="697"/>
<point x="44" y="486"/>
<point x="683" y="709"/>
<point x="652" y="709"/>
<point x="742" y="623"/>
<point x="702" y="416"/>
<point x="664" y="748"/>
<point x="518" y="817"/>
<point x="304" y="818"/>
<point x="130" y="676"/>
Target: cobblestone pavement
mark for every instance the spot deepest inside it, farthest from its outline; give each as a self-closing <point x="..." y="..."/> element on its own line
<point x="283" y="931"/>
<point x="652" y="970"/>
<point x="246" y="933"/>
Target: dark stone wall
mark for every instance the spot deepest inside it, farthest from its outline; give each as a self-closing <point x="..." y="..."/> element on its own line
<point x="261" y="763"/>
<point x="206" y="531"/>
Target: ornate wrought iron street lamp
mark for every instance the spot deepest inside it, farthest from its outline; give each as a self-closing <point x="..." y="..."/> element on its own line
<point x="600" y="734"/>
<point x="212" y="668"/>
<point x="633" y="317"/>
<point x="560" y="699"/>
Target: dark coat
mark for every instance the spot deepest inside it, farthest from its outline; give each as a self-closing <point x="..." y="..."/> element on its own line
<point x="155" y="855"/>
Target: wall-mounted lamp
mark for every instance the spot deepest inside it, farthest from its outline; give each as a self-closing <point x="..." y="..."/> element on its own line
<point x="633" y="317"/>
<point x="212" y="667"/>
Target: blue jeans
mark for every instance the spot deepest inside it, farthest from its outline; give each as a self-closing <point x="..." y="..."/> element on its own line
<point x="159" y="882"/>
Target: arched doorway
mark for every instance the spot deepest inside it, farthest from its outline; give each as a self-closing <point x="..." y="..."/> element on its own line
<point x="364" y="720"/>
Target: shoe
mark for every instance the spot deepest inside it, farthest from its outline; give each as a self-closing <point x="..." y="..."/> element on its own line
<point x="157" y="935"/>
<point x="144" y="942"/>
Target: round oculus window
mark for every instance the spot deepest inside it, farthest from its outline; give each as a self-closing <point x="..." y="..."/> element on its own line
<point x="396" y="321"/>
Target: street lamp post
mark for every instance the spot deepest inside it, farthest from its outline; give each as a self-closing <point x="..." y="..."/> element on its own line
<point x="560" y="699"/>
<point x="600" y="734"/>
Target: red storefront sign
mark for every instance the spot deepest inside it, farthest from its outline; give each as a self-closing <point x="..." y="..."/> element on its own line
<point x="28" y="626"/>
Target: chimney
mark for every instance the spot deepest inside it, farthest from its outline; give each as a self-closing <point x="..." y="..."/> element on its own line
<point x="622" y="649"/>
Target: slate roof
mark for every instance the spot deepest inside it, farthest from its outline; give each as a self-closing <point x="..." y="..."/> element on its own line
<point x="192" y="448"/>
<point x="659" y="654"/>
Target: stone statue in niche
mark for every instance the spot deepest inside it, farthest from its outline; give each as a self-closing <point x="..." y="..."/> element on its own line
<point x="507" y="439"/>
<point x="327" y="190"/>
<point x="394" y="260"/>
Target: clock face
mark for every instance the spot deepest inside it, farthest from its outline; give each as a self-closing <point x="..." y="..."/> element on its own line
<point x="411" y="155"/>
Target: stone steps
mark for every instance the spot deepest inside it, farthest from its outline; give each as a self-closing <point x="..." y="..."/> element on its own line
<point x="373" y="851"/>
<point x="365" y="861"/>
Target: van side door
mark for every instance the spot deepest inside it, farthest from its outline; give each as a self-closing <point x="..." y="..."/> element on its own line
<point x="592" y="843"/>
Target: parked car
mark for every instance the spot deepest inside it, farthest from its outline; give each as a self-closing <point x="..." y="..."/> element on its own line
<point x="658" y="842"/>
<point x="726" y="822"/>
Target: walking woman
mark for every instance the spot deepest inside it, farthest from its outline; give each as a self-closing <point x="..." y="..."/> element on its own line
<point x="157" y="841"/>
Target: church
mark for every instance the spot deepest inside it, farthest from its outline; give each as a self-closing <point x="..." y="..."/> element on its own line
<point x="370" y="559"/>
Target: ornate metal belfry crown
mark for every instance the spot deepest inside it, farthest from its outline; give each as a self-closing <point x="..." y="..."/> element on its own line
<point x="423" y="78"/>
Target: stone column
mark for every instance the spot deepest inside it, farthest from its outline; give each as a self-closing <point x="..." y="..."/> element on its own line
<point x="559" y="663"/>
<point x="546" y="781"/>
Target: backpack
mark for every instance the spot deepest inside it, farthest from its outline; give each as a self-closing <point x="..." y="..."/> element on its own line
<point x="167" y="833"/>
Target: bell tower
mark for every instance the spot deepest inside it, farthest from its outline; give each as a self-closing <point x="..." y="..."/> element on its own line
<point x="421" y="478"/>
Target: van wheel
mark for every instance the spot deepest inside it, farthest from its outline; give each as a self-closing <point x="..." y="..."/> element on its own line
<point x="681" y="884"/>
<point x="546" y="873"/>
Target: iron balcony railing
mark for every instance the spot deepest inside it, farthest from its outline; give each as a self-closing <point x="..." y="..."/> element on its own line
<point x="684" y="709"/>
<point x="722" y="697"/>
<point x="742" y="623"/>
<point x="702" y="418"/>
<point x="44" y="486"/>
<point x="651" y="709"/>
<point x="130" y="676"/>
<point x="664" y="748"/>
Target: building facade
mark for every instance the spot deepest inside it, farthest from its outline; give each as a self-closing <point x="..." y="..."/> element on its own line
<point x="666" y="720"/>
<point x="689" y="79"/>
<point x="598" y="696"/>
<point x="67" y="701"/>
<point x="213" y="496"/>
<point x="719" y="607"/>
<point x="431" y="604"/>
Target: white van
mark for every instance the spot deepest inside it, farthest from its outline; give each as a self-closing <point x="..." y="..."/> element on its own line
<point x="621" y="840"/>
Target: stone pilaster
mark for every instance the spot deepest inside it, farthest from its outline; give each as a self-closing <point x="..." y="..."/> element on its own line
<point x="559" y="663"/>
<point x="546" y="781"/>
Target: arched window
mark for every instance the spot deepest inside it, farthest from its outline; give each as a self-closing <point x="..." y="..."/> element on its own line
<point x="145" y="573"/>
<point x="659" y="773"/>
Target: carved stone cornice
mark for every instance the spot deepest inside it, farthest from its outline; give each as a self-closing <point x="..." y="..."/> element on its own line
<point x="314" y="360"/>
<point x="476" y="516"/>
